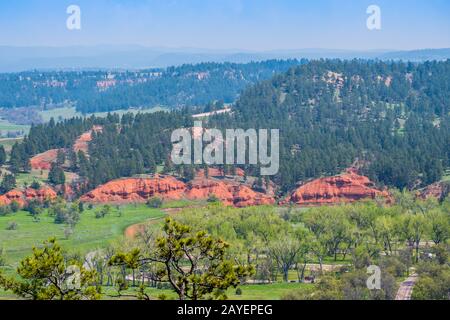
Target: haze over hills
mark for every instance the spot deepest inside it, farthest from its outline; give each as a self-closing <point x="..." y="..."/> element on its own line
<point x="16" y="59"/>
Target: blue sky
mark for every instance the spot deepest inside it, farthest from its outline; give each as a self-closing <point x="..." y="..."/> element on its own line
<point x="228" y="24"/>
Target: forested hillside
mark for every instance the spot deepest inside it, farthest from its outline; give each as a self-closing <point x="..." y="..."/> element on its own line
<point x="391" y="120"/>
<point x="392" y="117"/>
<point x="98" y="91"/>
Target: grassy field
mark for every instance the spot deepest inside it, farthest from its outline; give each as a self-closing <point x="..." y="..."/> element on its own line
<point x="9" y="142"/>
<point x="446" y="176"/>
<point x="70" y="112"/>
<point x="249" y="292"/>
<point x="90" y="233"/>
<point x="6" y="126"/>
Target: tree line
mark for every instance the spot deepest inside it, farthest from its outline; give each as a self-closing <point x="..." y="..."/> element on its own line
<point x="174" y="87"/>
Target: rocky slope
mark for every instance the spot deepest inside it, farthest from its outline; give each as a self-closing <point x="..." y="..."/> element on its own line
<point x="345" y="188"/>
<point x="131" y="190"/>
<point x="82" y="143"/>
<point x="43" y="161"/>
<point x="439" y="190"/>
<point x="22" y="197"/>
<point x="228" y="192"/>
<point x="138" y="190"/>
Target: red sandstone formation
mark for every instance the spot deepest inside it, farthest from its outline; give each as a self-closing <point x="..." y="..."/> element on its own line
<point x="245" y="197"/>
<point x="134" y="190"/>
<point x="138" y="190"/>
<point x="345" y="188"/>
<point x="227" y="192"/>
<point x="44" y="160"/>
<point x="82" y="143"/>
<point x="437" y="190"/>
<point x="22" y="197"/>
<point x="201" y="189"/>
<point x="217" y="173"/>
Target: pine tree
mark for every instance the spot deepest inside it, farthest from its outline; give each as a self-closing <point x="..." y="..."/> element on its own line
<point x="2" y="155"/>
<point x="61" y="157"/>
<point x="8" y="183"/>
<point x="56" y="175"/>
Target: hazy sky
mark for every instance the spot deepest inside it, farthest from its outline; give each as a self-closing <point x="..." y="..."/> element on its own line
<point x="228" y="24"/>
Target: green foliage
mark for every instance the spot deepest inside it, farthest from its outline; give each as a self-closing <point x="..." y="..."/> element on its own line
<point x="2" y="258"/>
<point x="103" y="212"/>
<point x="35" y="185"/>
<point x="56" y="175"/>
<point x="2" y="155"/>
<point x="14" y="206"/>
<point x="65" y="213"/>
<point x="60" y="157"/>
<point x="48" y="275"/>
<point x="34" y="207"/>
<point x="155" y="203"/>
<point x="8" y="183"/>
<point x="433" y="282"/>
<point x="173" y="87"/>
<point x="193" y="262"/>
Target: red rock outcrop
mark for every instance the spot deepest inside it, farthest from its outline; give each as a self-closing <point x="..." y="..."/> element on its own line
<point x="22" y="197"/>
<point x="44" y="160"/>
<point x="228" y="192"/>
<point x="134" y="190"/>
<point x="345" y="188"/>
<point x="245" y="197"/>
<point x="82" y="143"/>
<point x="138" y="190"/>
<point x="217" y="173"/>
<point x="438" y="190"/>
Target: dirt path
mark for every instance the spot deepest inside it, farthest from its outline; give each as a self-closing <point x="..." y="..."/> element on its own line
<point x="406" y="288"/>
<point x="134" y="230"/>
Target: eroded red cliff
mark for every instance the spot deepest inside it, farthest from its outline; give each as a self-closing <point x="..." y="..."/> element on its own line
<point x="345" y="188"/>
<point x="438" y="190"/>
<point x="138" y="190"/>
<point x="22" y="197"/>
<point x="135" y="190"/>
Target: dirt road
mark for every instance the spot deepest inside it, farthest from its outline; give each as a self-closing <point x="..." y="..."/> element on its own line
<point x="406" y="288"/>
<point x="133" y="231"/>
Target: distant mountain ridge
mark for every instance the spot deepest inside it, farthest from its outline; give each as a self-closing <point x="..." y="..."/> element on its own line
<point x="15" y="59"/>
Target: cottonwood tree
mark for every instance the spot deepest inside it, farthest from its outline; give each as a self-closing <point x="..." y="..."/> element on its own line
<point x="287" y="249"/>
<point x="47" y="275"/>
<point x="412" y="228"/>
<point x="192" y="262"/>
<point x="439" y="226"/>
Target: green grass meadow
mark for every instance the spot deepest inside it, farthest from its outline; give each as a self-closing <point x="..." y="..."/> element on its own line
<point x="89" y="234"/>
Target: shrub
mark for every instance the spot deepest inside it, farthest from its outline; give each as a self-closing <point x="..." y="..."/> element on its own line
<point x="12" y="226"/>
<point x="103" y="212"/>
<point x="35" y="185"/>
<point x="15" y="206"/>
<point x="99" y="215"/>
<point x="4" y="210"/>
<point x="68" y="232"/>
<point x="155" y="203"/>
<point x="2" y="257"/>
<point x="213" y="198"/>
<point x="239" y="292"/>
